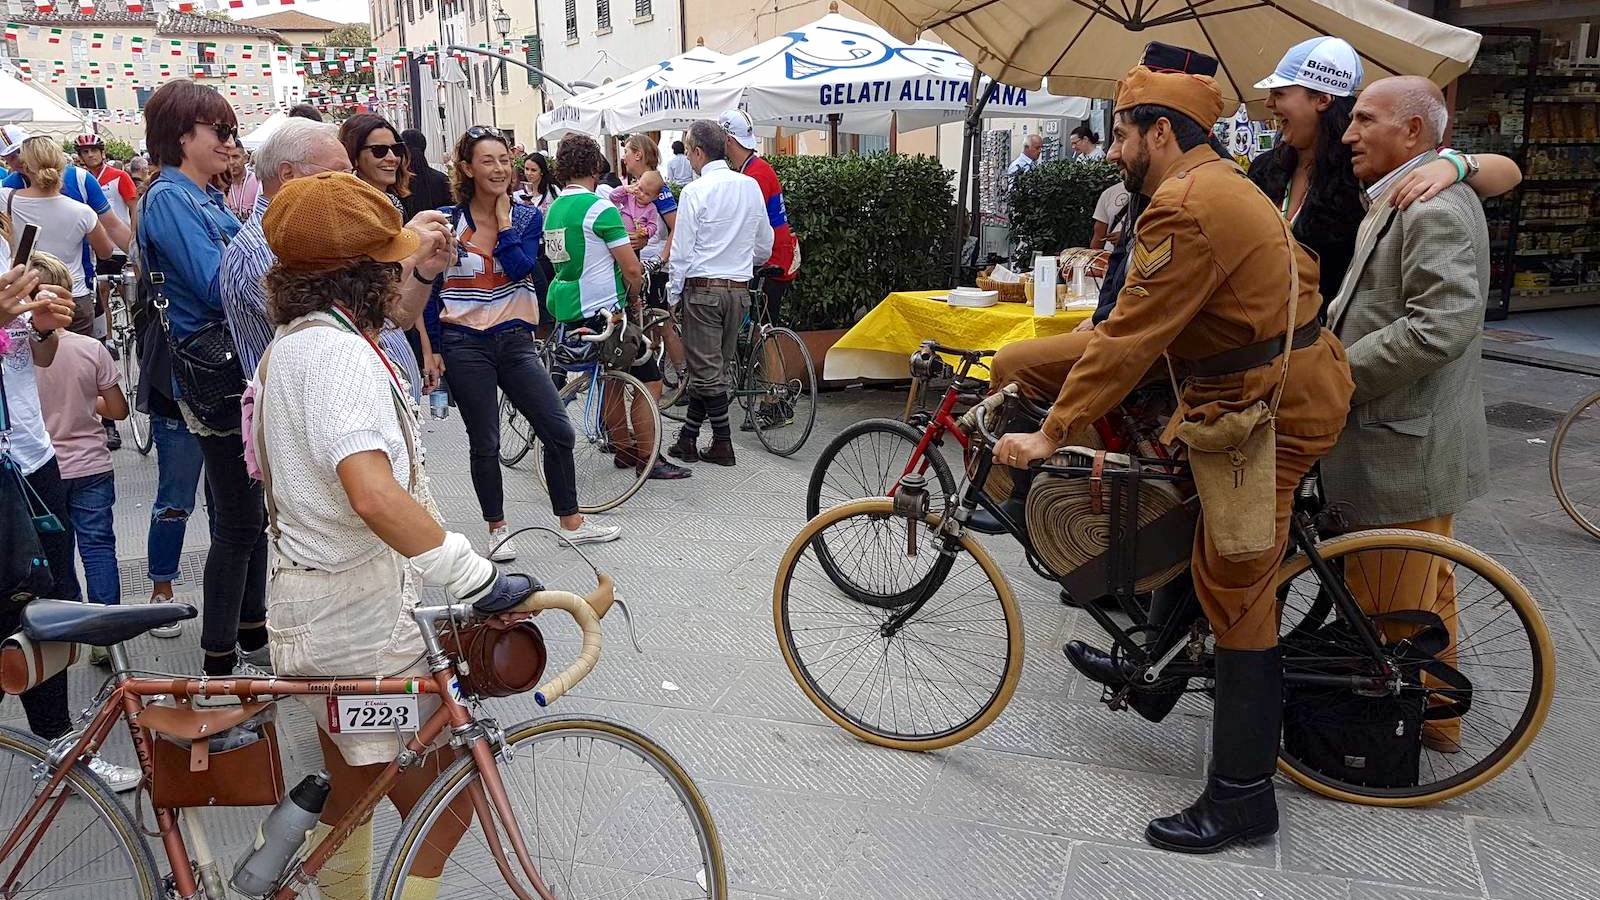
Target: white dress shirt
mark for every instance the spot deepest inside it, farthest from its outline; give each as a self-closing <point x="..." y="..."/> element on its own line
<point x="680" y="170"/>
<point x="722" y="229"/>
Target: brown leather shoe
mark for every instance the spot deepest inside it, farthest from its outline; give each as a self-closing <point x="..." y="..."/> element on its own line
<point x="684" y="449"/>
<point x="720" y="452"/>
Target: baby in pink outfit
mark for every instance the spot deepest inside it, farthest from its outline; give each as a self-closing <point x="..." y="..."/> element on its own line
<point x="636" y="202"/>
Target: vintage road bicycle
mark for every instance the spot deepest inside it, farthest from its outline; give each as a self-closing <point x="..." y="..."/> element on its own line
<point x="593" y="389"/>
<point x="771" y="376"/>
<point x="899" y="626"/>
<point x="1575" y="463"/>
<point x="560" y="807"/>
<point x="121" y="298"/>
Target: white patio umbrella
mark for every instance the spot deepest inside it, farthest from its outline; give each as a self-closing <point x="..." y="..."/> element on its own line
<point x="1084" y="47"/>
<point x="43" y="113"/>
<point x="259" y="134"/>
<point x="855" y="70"/>
<point x="669" y="94"/>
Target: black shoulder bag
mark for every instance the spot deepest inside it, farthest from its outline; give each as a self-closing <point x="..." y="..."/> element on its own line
<point x="24" y="568"/>
<point x="204" y="363"/>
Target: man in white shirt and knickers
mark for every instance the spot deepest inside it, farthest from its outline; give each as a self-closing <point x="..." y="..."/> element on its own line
<point x="722" y="234"/>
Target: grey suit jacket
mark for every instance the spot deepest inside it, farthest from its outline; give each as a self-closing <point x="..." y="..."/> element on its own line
<point x="1410" y="314"/>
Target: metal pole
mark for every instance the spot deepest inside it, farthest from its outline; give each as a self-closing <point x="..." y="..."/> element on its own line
<point x="581" y="85"/>
<point x="833" y="133"/>
<point x="969" y="151"/>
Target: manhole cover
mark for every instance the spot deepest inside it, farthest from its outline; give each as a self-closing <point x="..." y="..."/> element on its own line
<point x="1522" y="417"/>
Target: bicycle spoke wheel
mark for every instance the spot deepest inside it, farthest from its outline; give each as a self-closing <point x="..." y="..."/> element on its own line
<point x="602" y="810"/>
<point x="128" y="375"/>
<point x="923" y="676"/>
<point x="674" y="377"/>
<point x="867" y="460"/>
<point x="90" y="847"/>
<point x="1481" y="675"/>
<point x="516" y="435"/>
<point x="618" y="437"/>
<point x="780" y="392"/>
<point x="1575" y="464"/>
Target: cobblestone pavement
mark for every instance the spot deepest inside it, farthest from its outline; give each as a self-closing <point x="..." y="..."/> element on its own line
<point x="1051" y="800"/>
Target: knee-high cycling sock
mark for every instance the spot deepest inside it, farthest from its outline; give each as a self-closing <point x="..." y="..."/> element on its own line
<point x="252" y="637"/>
<point x="219" y="665"/>
<point x="717" y="412"/>
<point x="346" y="874"/>
<point x="696" y="416"/>
<point x="419" y="888"/>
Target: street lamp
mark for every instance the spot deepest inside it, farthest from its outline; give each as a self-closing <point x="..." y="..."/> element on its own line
<point x="502" y="24"/>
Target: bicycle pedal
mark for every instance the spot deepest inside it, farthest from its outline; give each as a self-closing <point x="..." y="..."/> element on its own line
<point x="1115" y="699"/>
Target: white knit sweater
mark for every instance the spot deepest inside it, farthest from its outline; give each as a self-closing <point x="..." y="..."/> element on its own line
<point x="326" y="397"/>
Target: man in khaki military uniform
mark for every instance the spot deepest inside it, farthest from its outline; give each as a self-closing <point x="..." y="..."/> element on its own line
<point x="1208" y="284"/>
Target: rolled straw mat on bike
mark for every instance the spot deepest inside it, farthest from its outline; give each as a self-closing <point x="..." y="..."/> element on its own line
<point x="1068" y="534"/>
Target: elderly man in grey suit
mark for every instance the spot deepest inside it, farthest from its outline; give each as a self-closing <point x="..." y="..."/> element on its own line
<point x="1410" y="313"/>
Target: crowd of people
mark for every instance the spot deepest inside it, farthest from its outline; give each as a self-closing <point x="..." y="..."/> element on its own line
<point x="366" y="283"/>
<point x="369" y="283"/>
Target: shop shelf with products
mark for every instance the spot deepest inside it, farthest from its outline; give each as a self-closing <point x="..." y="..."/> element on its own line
<point x="1545" y="236"/>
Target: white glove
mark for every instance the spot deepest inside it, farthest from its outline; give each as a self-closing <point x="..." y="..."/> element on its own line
<point x="458" y="568"/>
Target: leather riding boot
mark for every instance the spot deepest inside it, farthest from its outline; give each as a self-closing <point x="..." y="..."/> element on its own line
<point x="1015" y="506"/>
<point x="1238" y="803"/>
<point x="1098" y="666"/>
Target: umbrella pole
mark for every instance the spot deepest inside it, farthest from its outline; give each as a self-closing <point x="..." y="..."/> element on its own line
<point x="833" y="133"/>
<point x="969" y="174"/>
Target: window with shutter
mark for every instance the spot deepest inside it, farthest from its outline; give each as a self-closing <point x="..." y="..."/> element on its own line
<point x="602" y="15"/>
<point x="572" y="20"/>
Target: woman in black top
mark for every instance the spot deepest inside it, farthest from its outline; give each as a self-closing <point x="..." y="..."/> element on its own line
<point x="1308" y="174"/>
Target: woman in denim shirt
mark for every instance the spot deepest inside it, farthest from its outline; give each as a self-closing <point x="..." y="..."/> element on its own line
<point x="184" y="224"/>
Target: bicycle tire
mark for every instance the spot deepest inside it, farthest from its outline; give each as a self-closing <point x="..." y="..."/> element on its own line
<point x="989" y="707"/>
<point x="882" y="465"/>
<point x="801" y="398"/>
<point x="674" y="381"/>
<point x="146" y="877"/>
<point x="1591" y="406"/>
<point x="1541" y="670"/>
<point x="516" y="435"/>
<point x="144" y="437"/>
<point x="436" y="799"/>
<point x="607" y="489"/>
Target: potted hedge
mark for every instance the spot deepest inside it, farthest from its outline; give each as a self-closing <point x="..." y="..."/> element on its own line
<point x="868" y="226"/>
<point x="1052" y="206"/>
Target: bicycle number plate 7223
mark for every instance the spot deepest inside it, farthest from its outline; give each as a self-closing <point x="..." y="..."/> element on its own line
<point x="373" y="713"/>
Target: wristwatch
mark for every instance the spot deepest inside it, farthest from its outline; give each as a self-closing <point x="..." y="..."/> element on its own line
<point x="418" y="276"/>
<point x="1472" y="165"/>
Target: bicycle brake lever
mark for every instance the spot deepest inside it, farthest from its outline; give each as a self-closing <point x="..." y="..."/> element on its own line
<point x="627" y="620"/>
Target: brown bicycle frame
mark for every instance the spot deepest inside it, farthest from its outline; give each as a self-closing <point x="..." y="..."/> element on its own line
<point x="126" y="701"/>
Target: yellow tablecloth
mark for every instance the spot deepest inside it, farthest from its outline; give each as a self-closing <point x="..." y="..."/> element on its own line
<point x="881" y="343"/>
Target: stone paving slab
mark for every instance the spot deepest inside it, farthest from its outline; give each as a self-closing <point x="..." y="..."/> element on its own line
<point x="1051" y="801"/>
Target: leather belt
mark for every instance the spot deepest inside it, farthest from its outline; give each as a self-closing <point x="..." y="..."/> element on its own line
<point x="1250" y="356"/>
<point x="715" y="283"/>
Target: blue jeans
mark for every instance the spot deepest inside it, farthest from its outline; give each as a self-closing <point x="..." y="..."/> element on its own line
<point x="178" y="464"/>
<point x="91" y="499"/>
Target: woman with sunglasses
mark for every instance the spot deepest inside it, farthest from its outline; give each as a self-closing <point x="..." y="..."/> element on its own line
<point x="482" y="316"/>
<point x="184" y="224"/>
<point x="379" y="157"/>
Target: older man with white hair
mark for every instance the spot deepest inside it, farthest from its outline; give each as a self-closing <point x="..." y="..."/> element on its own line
<point x="1414" y="450"/>
<point x="299" y="148"/>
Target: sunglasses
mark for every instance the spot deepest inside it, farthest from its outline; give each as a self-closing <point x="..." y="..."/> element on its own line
<point x="223" y="130"/>
<point x="477" y="132"/>
<point x="379" y="151"/>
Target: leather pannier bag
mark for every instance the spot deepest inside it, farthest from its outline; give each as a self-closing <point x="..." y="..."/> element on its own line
<point x="495" y="660"/>
<point x="227" y="756"/>
<point x="25" y="664"/>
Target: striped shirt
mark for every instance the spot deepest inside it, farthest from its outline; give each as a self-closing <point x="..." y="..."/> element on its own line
<point x="484" y="292"/>
<point x="244" y="302"/>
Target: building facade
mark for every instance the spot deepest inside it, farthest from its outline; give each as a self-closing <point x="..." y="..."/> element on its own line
<point x="109" y="63"/>
<point x="429" y="89"/>
<point x="596" y="40"/>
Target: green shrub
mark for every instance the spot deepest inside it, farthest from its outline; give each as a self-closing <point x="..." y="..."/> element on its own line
<point x="868" y="225"/>
<point x="1052" y="206"/>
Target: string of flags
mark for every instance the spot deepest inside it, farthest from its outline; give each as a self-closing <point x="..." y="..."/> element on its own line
<point x="234" y="59"/>
<point x="87" y="7"/>
<point x="327" y="102"/>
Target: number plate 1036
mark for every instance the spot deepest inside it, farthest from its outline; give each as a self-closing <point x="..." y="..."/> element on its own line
<point x="380" y="713"/>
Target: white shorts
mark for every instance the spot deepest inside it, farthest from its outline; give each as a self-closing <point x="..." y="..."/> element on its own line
<point x="355" y="623"/>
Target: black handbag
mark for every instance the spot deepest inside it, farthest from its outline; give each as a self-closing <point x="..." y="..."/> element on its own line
<point x="205" y="363"/>
<point x="24" y="569"/>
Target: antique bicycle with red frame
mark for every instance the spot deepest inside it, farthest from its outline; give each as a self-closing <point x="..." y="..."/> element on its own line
<point x="553" y="808"/>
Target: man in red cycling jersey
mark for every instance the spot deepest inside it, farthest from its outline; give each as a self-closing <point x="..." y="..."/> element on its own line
<point x="742" y="157"/>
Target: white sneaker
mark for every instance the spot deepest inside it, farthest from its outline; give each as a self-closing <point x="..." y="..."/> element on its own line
<point x="500" y="549"/>
<point x="590" y="533"/>
<point x="166" y="631"/>
<point x="119" y="778"/>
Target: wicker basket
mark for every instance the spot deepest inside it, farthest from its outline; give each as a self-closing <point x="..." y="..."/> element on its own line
<point x="1010" y="292"/>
